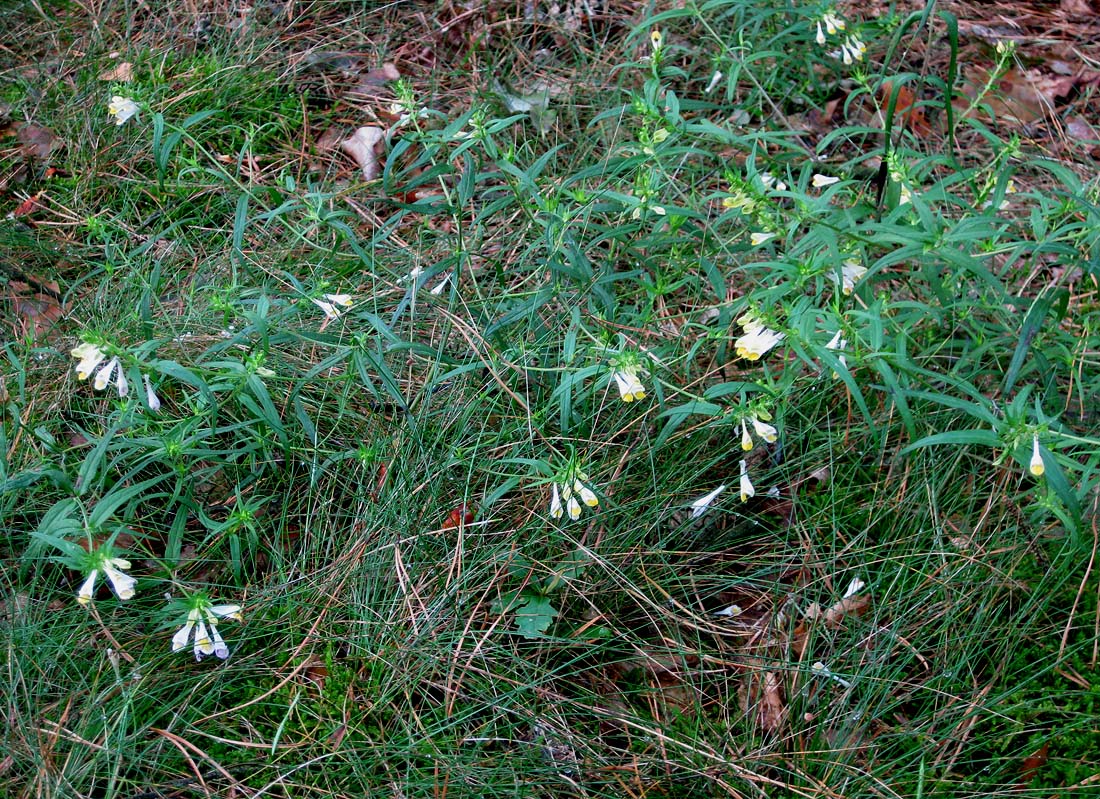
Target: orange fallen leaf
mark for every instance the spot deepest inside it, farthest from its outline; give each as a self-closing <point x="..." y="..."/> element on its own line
<point x="29" y="205"/>
<point x="911" y="115"/>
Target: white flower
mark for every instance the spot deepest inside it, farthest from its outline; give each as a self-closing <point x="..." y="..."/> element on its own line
<point x="759" y="238"/>
<point x="199" y="619"/>
<point x="151" y="398"/>
<point x="770" y="182"/>
<point x="850" y="273"/>
<point x="905" y="196"/>
<point x="746" y="439"/>
<point x="838" y="343"/>
<point x="122" y="583"/>
<point x="568" y="491"/>
<point x="334" y="304"/>
<point x="587" y="496"/>
<point x="103" y="377"/>
<point x="122" y="109"/>
<point x="765" y="430"/>
<point x="852" y="50"/>
<point x="821" y="181"/>
<point x="747" y="489"/>
<point x="731" y="611"/>
<point x="820" y="38"/>
<point x="442" y="284"/>
<point x="833" y="23"/>
<point x="89" y="357"/>
<point x="630" y="385"/>
<point x="699" y="506"/>
<point x="656" y="39"/>
<point x="756" y="341"/>
<point x="717" y="76"/>
<point x="1036" y="467"/>
<point x="854" y="587"/>
<point x="823" y="670"/>
<point x="555" y="503"/>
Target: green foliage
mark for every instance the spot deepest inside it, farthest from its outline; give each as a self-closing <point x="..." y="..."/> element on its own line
<point x="440" y="435"/>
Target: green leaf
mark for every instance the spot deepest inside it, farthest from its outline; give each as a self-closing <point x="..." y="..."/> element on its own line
<point x="534" y="617"/>
<point x="988" y="438"/>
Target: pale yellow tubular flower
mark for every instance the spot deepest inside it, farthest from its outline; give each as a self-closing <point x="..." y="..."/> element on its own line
<point x="556" y="509"/>
<point x="120" y="581"/>
<point x="765" y="430"/>
<point x="588" y="497"/>
<point x="821" y="181"/>
<point x="89" y="356"/>
<point x="699" y="506"/>
<point x="746" y="439"/>
<point x="850" y="273"/>
<point x="87" y="590"/>
<point x="1036" y="467"/>
<point x="756" y="342"/>
<point x="151" y="397"/>
<point x="122" y="109"/>
<point x="183" y="634"/>
<point x="747" y="489"/>
<point x="759" y="238"/>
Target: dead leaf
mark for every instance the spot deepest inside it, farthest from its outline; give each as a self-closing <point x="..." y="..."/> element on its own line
<point x="1081" y="132"/>
<point x="36" y="309"/>
<point x="1032" y="764"/>
<point x="906" y="110"/>
<point x="123" y="72"/>
<point x="1022" y="96"/>
<point x="37" y="141"/>
<point x="329" y="140"/>
<point x="364" y="147"/>
<point x="1082" y="9"/>
<point x="849" y="606"/>
<point x="376" y="79"/>
<point x="763" y="697"/>
<point x="29" y="205"/>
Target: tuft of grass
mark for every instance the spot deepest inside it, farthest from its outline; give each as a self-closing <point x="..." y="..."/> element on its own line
<point x="904" y="601"/>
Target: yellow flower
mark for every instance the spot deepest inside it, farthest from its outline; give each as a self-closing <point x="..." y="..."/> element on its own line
<point x="746" y="439"/>
<point x="112" y="568"/>
<point x="759" y="238"/>
<point x="103" y="377"/>
<point x="656" y="39"/>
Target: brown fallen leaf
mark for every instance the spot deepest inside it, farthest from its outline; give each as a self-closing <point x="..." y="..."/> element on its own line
<point x="376" y="79"/>
<point x="37" y="141"/>
<point x="910" y="115"/>
<point x="123" y="72"/>
<point x="1022" y="96"/>
<point x="29" y="205"/>
<point x="1031" y="765"/>
<point x="762" y="695"/>
<point x="364" y="147"/>
<point x="1079" y="131"/>
<point x="35" y="309"/>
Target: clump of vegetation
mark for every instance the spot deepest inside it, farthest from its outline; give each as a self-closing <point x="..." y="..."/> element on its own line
<point x="576" y="402"/>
